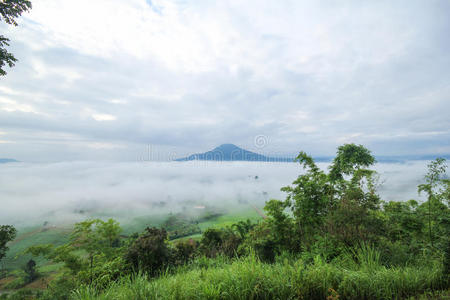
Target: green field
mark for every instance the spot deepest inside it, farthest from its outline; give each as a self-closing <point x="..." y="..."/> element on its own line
<point x="58" y="235"/>
<point x="31" y="236"/>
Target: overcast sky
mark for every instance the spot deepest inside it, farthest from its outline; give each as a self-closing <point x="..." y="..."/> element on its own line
<point x="102" y="79"/>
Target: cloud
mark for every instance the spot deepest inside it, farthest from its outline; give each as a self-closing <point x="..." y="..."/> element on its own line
<point x="103" y="117"/>
<point x="192" y="75"/>
<point x="57" y="192"/>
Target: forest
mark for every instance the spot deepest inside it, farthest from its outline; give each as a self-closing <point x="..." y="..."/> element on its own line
<point x="332" y="237"/>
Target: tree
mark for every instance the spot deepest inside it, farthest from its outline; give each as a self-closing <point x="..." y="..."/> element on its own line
<point x="243" y="227"/>
<point x="310" y="197"/>
<point x="99" y="240"/>
<point x="7" y="234"/>
<point x="340" y="203"/>
<point x="433" y="186"/>
<point x="96" y="237"/>
<point x="10" y="10"/>
<point x="150" y="252"/>
<point x="349" y="159"/>
<point x="30" y="270"/>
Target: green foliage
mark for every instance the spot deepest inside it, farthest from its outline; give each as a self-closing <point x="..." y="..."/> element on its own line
<point x="219" y="241"/>
<point x="281" y="226"/>
<point x="180" y="225"/>
<point x="248" y="278"/>
<point x="7" y="234"/>
<point x="60" y="288"/>
<point x="10" y="10"/>
<point x="262" y="243"/>
<point x="332" y="237"/>
<point x="321" y="203"/>
<point x="96" y="236"/>
<point x="91" y="256"/>
<point x="31" y="236"/>
<point x="437" y="190"/>
<point x="150" y="253"/>
<point x="405" y="220"/>
<point x="19" y="281"/>
<point x="63" y="254"/>
<point x="243" y="227"/>
<point x="184" y="251"/>
<point x="30" y="270"/>
<point x="447" y="259"/>
<point x="225" y="241"/>
<point x="350" y="158"/>
<point x="20" y="295"/>
<point x="104" y="273"/>
<point x="310" y="197"/>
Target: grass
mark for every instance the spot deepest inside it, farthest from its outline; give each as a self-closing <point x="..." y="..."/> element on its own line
<point x="140" y="223"/>
<point x="248" y="278"/>
<point x="230" y="219"/>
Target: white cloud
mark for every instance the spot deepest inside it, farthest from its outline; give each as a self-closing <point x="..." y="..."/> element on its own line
<point x="12" y="106"/>
<point x="56" y="192"/>
<point x="192" y="75"/>
<point x="103" y="117"/>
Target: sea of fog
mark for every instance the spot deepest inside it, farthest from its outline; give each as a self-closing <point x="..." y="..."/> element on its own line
<point x="69" y="191"/>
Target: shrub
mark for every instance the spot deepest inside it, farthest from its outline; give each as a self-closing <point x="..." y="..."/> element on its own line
<point x="220" y="241"/>
<point x="150" y="252"/>
<point x="30" y="270"/>
<point x="184" y="251"/>
<point x="61" y="288"/>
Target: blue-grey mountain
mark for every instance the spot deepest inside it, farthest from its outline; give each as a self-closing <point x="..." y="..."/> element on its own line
<point x="230" y="152"/>
<point x="7" y="160"/>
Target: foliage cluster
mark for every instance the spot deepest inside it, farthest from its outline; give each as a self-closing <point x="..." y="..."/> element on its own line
<point x="179" y="225"/>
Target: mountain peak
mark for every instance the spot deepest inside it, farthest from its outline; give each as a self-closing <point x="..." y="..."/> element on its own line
<point x="231" y="152"/>
<point x="227" y="147"/>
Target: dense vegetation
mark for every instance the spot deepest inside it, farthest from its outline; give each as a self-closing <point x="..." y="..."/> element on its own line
<point x="331" y="238"/>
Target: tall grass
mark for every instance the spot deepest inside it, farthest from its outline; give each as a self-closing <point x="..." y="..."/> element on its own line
<point x="248" y="278"/>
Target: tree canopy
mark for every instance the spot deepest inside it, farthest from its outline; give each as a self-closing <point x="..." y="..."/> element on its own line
<point x="7" y="234"/>
<point x="10" y="10"/>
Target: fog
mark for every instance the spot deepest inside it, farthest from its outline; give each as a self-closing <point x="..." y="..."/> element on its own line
<point x="32" y="193"/>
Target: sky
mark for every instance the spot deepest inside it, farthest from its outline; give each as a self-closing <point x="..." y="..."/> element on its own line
<point x="113" y="80"/>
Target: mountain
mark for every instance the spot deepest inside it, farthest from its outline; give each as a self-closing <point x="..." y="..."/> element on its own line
<point x="230" y="152"/>
<point x="7" y="160"/>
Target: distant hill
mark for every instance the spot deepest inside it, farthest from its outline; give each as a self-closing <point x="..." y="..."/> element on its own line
<point x="7" y="160"/>
<point x="230" y="152"/>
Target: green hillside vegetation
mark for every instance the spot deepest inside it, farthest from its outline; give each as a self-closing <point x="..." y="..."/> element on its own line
<point x="331" y="238"/>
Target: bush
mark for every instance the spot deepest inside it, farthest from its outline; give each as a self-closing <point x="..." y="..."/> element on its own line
<point x="180" y="225"/>
<point x="17" y="283"/>
<point x="150" y="252"/>
<point x="61" y="288"/>
<point x="30" y="270"/>
<point x="261" y="241"/>
<point x="184" y="251"/>
<point x="220" y="241"/>
<point x="21" y="295"/>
